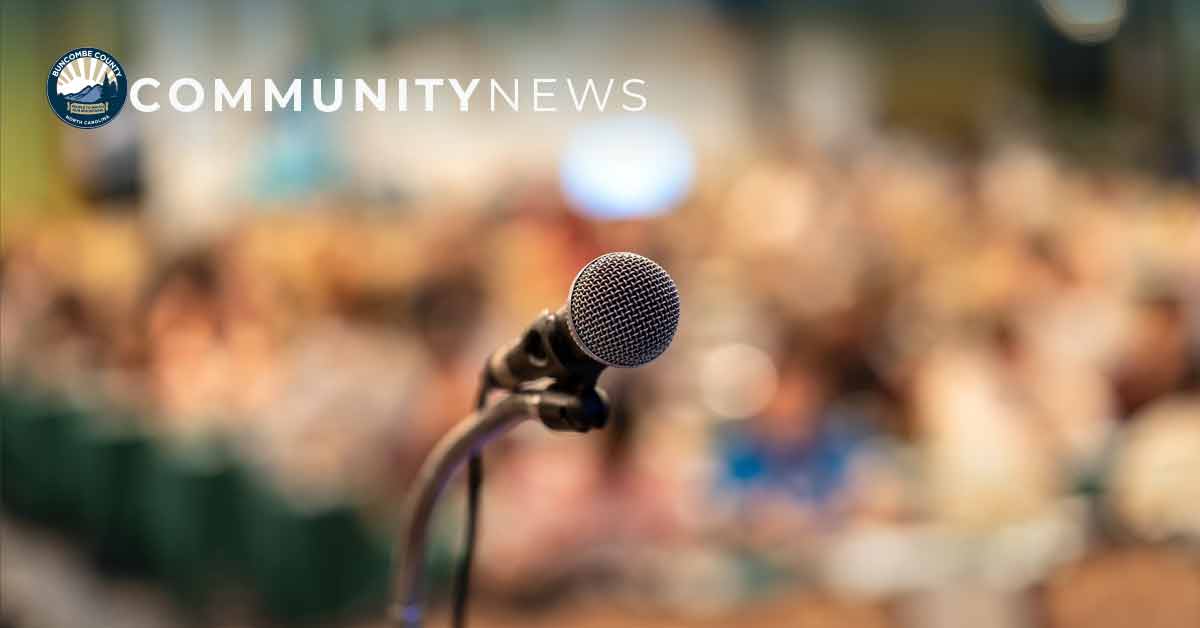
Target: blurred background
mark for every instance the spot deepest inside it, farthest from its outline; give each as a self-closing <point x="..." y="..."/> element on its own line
<point x="938" y="362"/>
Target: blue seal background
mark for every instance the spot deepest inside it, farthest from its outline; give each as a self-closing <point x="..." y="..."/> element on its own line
<point x="59" y="103"/>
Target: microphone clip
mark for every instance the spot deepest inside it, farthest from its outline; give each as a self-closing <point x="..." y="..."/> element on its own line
<point x="578" y="412"/>
<point x="545" y="359"/>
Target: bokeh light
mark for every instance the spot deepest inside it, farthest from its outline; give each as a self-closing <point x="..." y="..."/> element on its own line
<point x="737" y="380"/>
<point x="1086" y="21"/>
<point x="627" y="167"/>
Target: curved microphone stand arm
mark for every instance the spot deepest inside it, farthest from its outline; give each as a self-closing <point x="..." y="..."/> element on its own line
<point x="452" y="452"/>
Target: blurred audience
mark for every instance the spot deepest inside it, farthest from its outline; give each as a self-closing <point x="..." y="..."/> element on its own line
<point x="933" y="364"/>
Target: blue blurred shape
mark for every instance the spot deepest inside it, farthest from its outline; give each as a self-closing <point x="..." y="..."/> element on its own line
<point x="627" y="167"/>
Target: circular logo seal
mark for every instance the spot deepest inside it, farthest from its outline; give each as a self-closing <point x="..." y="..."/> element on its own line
<point x="86" y="88"/>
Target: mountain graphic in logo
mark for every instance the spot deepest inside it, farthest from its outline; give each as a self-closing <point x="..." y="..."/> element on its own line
<point x="87" y="94"/>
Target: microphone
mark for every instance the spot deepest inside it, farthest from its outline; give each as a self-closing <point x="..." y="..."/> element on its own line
<point x="622" y="311"/>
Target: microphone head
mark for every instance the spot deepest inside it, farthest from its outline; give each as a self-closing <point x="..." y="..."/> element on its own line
<point x="623" y="309"/>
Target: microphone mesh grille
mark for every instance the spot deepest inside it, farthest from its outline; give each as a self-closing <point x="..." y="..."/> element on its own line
<point x="623" y="309"/>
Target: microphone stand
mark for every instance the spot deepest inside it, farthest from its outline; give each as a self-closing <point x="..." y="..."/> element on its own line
<point x="574" y="409"/>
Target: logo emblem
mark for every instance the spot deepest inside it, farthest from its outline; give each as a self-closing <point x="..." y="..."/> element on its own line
<point x="86" y="88"/>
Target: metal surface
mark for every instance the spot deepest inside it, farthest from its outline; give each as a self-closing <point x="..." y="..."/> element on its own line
<point x="623" y="309"/>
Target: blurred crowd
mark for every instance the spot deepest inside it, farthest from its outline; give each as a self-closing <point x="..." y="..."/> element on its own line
<point x="896" y="372"/>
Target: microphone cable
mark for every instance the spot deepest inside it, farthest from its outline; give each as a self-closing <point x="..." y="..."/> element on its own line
<point x="462" y="576"/>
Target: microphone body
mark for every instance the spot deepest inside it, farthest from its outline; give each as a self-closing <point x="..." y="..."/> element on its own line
<point x="546" y="356"/>
<point x="545" y="350"/>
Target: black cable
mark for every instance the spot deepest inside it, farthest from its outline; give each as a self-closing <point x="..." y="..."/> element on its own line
<point x="462" y="585"/>
<point x="462" y="577"/>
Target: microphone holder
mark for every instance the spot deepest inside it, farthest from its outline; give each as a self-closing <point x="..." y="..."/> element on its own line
<point x="564" y="408"/>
